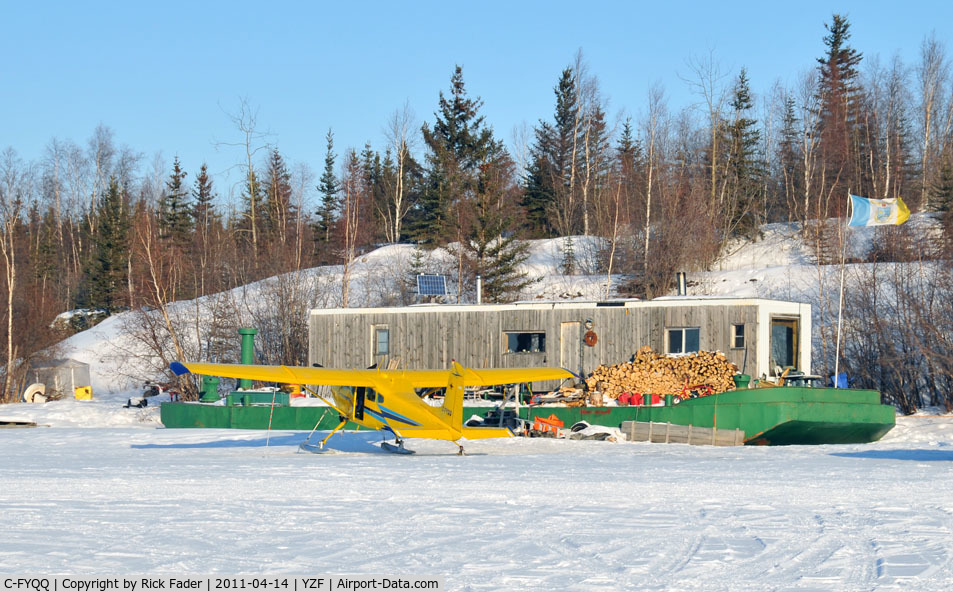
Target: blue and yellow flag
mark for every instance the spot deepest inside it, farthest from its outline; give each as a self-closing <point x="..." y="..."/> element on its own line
<point x="877" y="212"/>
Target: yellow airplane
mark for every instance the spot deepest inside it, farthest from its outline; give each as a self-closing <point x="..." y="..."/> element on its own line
<point x="387" y="399"/>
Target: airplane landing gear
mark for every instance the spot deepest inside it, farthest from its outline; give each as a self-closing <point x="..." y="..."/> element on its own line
<point x="308" y="447"/>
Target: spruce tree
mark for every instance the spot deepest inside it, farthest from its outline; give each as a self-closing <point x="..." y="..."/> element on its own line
<point x="329" y="187"/>
<point x="207" y="223"/>
<point x="203" y="210"/>
<point x="839" y="66"/>
<point x="108" y="268"/>
<point x="568" y="265"/>
<point x="789" y="163"/>
<point x="408" y="285"/>
<point x="594" y="165"/>
<point x="457" y="143"/>
<point x="278" y="209"/>
<point x="46" y="256"/>
<point x="840" y="125"/>
<point x="941" y="200"/>
<point x="941" y="194"/>
<point x="491" y="247"/>
<point x="375" y="179"/>
<point x="175" y="219"/>
<point x="744" y="169"/>
<point x="547" y="180"/>
<point x="628" y="158"/>
<point x="538" y="195"/>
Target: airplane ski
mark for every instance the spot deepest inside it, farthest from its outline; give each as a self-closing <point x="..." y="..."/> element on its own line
<point x="314" y="448"/>
<point x="397" y="449"/>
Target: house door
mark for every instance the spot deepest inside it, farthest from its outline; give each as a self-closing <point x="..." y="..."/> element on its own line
<point x="570" y="346"/>
<point x="784" y="344"/>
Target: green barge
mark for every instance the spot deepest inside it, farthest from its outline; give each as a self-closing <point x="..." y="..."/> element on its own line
<point x="767" y="416"/>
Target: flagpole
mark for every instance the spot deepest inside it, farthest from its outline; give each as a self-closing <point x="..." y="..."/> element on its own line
<point x="840" y="305"/>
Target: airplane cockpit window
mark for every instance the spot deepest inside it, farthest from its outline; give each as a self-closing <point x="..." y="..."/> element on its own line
<point x="380" y="398"/>
<point x="371" y="395"/>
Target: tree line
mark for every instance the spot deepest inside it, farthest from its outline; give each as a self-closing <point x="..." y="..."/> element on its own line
<point x="97" y="227"/>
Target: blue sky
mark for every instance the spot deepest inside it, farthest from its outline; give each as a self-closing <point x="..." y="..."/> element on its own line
<point x="164" y="76"/>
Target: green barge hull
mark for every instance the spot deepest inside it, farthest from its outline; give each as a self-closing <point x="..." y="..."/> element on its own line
<point x="771" y="416"/>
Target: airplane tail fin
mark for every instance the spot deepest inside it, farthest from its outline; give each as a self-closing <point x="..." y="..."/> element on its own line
<point x="453" y="398"/>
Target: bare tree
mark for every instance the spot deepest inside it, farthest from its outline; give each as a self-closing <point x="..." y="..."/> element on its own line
<point x="101" y="153"/>
<point x="653" y="130"/>
<point x="708" y="82"/>
<point x="353" y="188"/>
<point x="595" y="158"/>
<point x="808" y="111"/>
<point x="77" y="187"/>
<point x="613" y="236"/>
<point x="252" y="142"/>
<point x="163" y="276"/>
<point x="302" y="181"/>
<point x="884" y="125"/>
<point x="53" y="182"/>
<point x="14" y="187"/>
<point x="402" y="139"/>
<point x="932" y="74"/>
<point x="520" y="140"/>
<point x="580" y="74"/>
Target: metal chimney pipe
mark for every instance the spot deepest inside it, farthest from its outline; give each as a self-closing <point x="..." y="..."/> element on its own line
<point x="479" y="290"/>
<point x="681" y="288"/>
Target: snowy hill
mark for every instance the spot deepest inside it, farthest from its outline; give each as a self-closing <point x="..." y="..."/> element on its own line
<point x="776" y="265"/>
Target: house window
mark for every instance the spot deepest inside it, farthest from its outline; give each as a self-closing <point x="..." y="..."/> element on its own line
<point x="381" y="341"/>
<point x="784" y="344"/>
<point x="683" y="341"/>
<point x="524" y="342"/>
<point x="738" y="336"/>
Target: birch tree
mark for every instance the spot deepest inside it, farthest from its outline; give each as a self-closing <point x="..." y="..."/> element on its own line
<point x="653" y="125"/>
<point x="932" y="74"/>
<point x="401" y="138"/>
<point x="252" y="142"/>
<point x="14" y="181"/>
<point x="352" y="190"/>
<point x="708" y="82"/>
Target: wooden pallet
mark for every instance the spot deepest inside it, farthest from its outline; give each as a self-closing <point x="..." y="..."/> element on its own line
<point x="669" y="433"/>
<point x="17" y="423"/>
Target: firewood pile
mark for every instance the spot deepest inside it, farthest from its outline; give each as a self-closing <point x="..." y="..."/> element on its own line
<point x="651" y="372"/>
<point x="567" y="395"/>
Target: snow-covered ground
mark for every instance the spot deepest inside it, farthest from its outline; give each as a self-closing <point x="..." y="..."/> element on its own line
<point x="124" y="496"/>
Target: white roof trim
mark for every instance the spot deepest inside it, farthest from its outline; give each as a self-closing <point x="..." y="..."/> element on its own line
<point x="664" y="302"/>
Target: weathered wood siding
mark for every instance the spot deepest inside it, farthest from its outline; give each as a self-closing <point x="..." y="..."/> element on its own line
<point x="474" y="336"/>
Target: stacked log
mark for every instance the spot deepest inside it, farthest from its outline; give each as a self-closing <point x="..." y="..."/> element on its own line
<point x="651" y="372"/>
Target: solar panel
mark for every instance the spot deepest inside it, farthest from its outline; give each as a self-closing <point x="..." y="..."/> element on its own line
<point x="431" y="285"/>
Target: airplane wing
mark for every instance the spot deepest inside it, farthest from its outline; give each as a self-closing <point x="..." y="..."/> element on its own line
<point x="494" y="376"/>
<point x="283" y="374"/>
<point x="371" y="378"/>
<point x="473" y="377"/>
